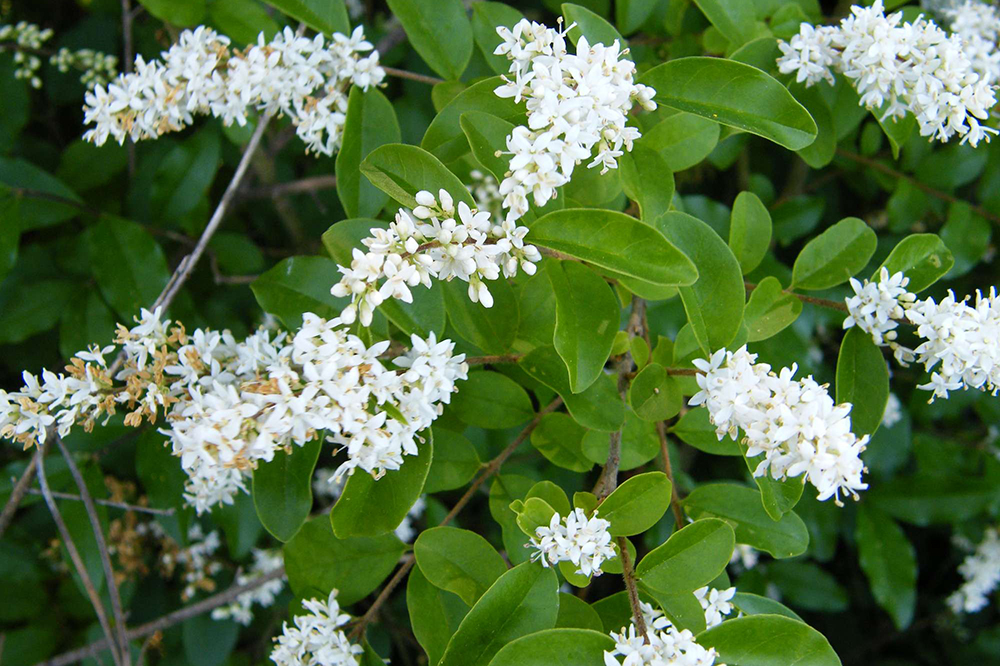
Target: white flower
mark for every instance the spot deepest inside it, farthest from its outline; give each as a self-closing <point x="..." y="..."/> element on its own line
<point x="744" y="555"/>
<point x="584" y="542"/>
<point x="877" y="307"/>
<point x="264" y="562"/>
<point x="575" y="103"/>
<point x="981" y="571"/>
<point x="716" y="604"/>
<point x="316" y="639"/>
<point x="667" y="645"/>
<point x="795" y="424"/>
<point x="946" y="81"/>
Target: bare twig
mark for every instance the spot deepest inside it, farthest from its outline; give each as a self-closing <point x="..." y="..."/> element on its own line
<point x="412" y="76"/>
<point x="109" y="503"/>
<point x="813" y="300"/>
<point x="102" y="547"/>
<point x="221" y="278"/>
<point x="675" y="500"/>
<point x="20" y="489"/>
<point x="301" y="186"/>
<point x="628" y="574"/>
<point x="166" y="621"/>
<point x="74" y="555"/>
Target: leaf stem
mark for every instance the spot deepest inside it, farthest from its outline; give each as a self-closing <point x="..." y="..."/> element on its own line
<point x="813" y="300"/>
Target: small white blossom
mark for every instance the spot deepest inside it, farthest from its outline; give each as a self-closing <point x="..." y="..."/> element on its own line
<point x="716" y="604"/>
<point x="584" y="542"/>
<point x="316" y="639"/>
<point x="240" y="610"/>
<point x="877" y="307"/>
<point x="667" y="645"/>
<point x="981" y="571"/>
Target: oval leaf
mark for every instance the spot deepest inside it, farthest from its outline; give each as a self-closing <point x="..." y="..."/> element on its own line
<point x="769" y="640"/>
<point x="862" y="380"/>
<point x="691" y="558"/>
<point x="556" y="647"/>
<point x="282" y="490"/>
<point x="834" y="256"/>
<point x="636" y="505"/>
<point x="459" y="561"/>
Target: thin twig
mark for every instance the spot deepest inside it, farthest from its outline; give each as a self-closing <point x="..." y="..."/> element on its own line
<point x="412" y="76"/>
<point x="166" y="621"/>
<point x="491" y="469"/>
<point x="300" y="186"/>
<point x="74" y="555"/>
<point x="934" y="192"/>
<point x="496" y="358"/>
<point x="628" y="574"/>
<point x="108" y="503"/>
<point x="21" y="488"/>
<point x="821" y="302"/>
<point x="102" y="547"/>
<point x="675" y="500"/>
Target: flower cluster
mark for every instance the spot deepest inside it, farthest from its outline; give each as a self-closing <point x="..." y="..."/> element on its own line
<point x="898" y="67"/>
<point x="574" y="103"/>
<point x="978" y="25"/>
<point x="437" y="241"/>
<point x="239" y="610"/>
<point x="197" y="559"/>
<point x="316" y="639"/>
<point x="229" y="405"/>
<point x="584" y="542"/>
<point x="304" y="78"/>
<point x="667" y="645"/>
<point x="715" y="603"/>
<point x="26" y="41"/>
<point x="981" y="571"/>
<point x="793" y="422"/>
<point x="959" y="346"/>
<point x="485" y="192"/>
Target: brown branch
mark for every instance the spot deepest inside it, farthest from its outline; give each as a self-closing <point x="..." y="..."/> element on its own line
<point x="412" y="76"/>
<point x="496" y="358"/>
<point x="301" y="186"/>
<point x="927" y="189"/>
<point x="491" y="469"/>
<point x="628" y="574"/>
<point x="109" y="503"/>
<point x="166" y="621"/>
<point x="675" y="500"/>
<point x="21" y="488"/>
<point x="102" y="547"/>
<point x="74" y="555"/>
<point x="821" y="302"/>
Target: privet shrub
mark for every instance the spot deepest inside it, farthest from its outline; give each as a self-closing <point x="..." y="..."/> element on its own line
<point x="644" y="333"/>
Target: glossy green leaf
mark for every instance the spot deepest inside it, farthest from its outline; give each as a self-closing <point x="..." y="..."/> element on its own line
<point x="862" y="380"/>
<point x="654" y="395"/>
<point x="560" y="439"/>
<point x="631" y="14"/>
<point x="691" y="558"/>
<point x="297" y="285"/>
<point x="640" y="443"/>
<point x="185" y="174"/>
<point x="647" y="180"/>
<point x="808" y="586"/>
<point x="491" y="329"/>
<point x="683" y="139"/>
<point x="749" y="230"/>
<point x="532" y="513"/>
<point x="695" y="429"/>
<point x="575" y="613"/>
<point x="444" y="137"/>
<point x="455" y="461"/>
<point x="371" y="122"/>
<point x="426" y="22"/>
<point x="590" y="25"/>
<point x="368" y="507"/>
<point x="242" y="20"/>
<point x="556" y="647"/>
<point x="282" y="489"/>
<point x="890" y="563"/>
<point x="38" y="212"/>
<point x="770" y="310"/>
<point x="587" y="315"/>
<point x="326" y="16"/>
<point x="459" y="561"/>
<point x="769" y="640"/>
<point x="491" y="400"/>
<point x="735" y="20"/>
<point x="617" y="242"/>
<point x="182" y="13"/>
<point x="834" y="256"/>
<point x="129" y="265"/>
<point x="754" y="604"/>
<point x="777" y="497"/>
<point x="637" y="504"/>
<point x="434" y="614"/>
<point x="486" y="18"/>
<point x="733" y="94"/>
<point x="930" y="499"/>
<point x="401" y="171"/>
<point x="487" y="135"/>
<point x="923" y="258"/>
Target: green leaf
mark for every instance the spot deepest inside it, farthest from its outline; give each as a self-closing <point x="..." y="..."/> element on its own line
<point x="636" y="505"/>
<point x="924" y="259"/>
<point x="523" y="601"/>
<point x="682" y="609"/>
<point x="648" y="181"/>
<point x="282" y="490"/>
<point x="85" y="319"/>
<point x="84" y="166"/>
<point x="185" y="174"/>
<point x="590" y="25"/>
<point x="691" y="558"/>
<point x="890" y="563"/>
<point x="317" y="562"/>
<point x="835" y="255"/>
<point x="401" y="171"/>
<point x="769" y="640"/>
<point x="560" y="439"/>
<point x="614" y="241"/>
<point x="368" y="507"/>
<point x="10" y="232"/>
<point x="631" y="14"/>
<point x="487" y="136"/>
<point x="640" y="443"/>
<point x="967" y="235"/>
<point x="749" y="230"/>
<point x="128" y="264"/>
<point x="434" y="614"/>
<point x="439" y="31"/>
<point x="599" y="407"/>
<point x="326" y="16"/>
<point x="575" y="613"/>
<point x="683" y="139"/>
<point x="654" y="395"/>
<point x="714" y="303"/>
<point x="504" y="490"/>
<point x="770" y="310"/>
<point x="459" y="561"/>
<point x="371" y="122"/>
<point x="207" y="641"/>
<point x="927" y="499"/>
<point x="242" y="20"/>
<point x="821" y="151"/>
<point x="37" y="212"/>
<point x="897" y="130"/>
<point x="777" y="497"/>
<point x="486" y="18"/>
<point x="862" y="380"/>
<point x="240" y="524"/>
<point x="455" y="461"/>
<point x="297" y="285"/>
<point x="491" y="329"/>
<point x="491" y="400"/>
<point x="742" y="507"/>
<point x="735" y="20"/>
<point x="808" y="586"/>
<point x="444" y="137"/>
<point x="532" y="513"/>
<point x="733" y="94"/>
<point x="587" y="315"/>
<point x="695" y="429"/>
<point x="754" y="604"/>
<point x="556" y="647"/>
<point x="552" y="494"/>
<point x="181" y="13"/>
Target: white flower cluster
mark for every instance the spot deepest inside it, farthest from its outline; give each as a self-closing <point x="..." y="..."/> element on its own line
<point x="961" y="340"/>
<point x="304" y="78"/>
<point x="197" y="559"/>
<point x="316" y="639"/>
<point x="574" y="102"/>
<point x="981" y="571"/>
<point x="793" y="422"/>
<point x="239" y="610"/>
<point x="438" y="241"/>
<point x="715" y="603"/>
<point x="667" y="645"/>
<point x="26" y="41"/>
<point x="898" y="67"/>
<point x="230" y="405"/>
<point x="584" y="542"/>
<point x="98" y="68"/>
<point x="978" y="24"/>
